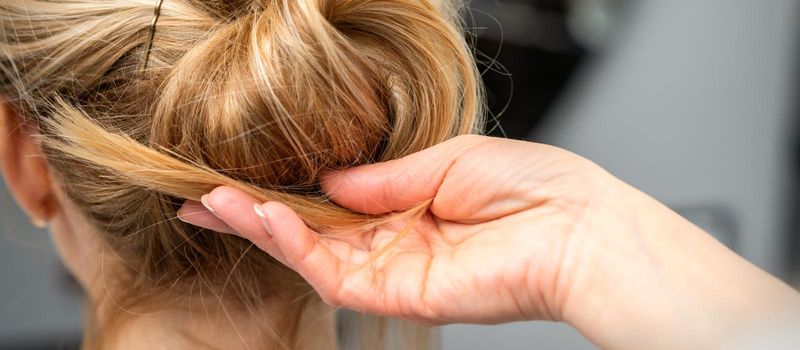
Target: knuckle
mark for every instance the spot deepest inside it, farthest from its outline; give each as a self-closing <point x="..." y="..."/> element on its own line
<point x="330" y="293"/>
<point x="387" y="194"/>
<point x="467" y="138"/>
<point x="331" y="300"/>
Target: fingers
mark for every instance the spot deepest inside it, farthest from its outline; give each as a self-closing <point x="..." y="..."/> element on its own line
<point x="236" y="209"/>
<point x="328" y="265"/>
<point x="397" y="184"/>
<point x="302" y="250"/>
<point x="276" y="229"/>
<point x="196" y="214"/>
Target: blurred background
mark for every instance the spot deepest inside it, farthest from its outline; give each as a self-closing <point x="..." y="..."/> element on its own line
<point x="691" y="101"/>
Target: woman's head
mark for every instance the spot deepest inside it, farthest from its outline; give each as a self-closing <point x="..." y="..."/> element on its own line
<point x="264" y="95"/>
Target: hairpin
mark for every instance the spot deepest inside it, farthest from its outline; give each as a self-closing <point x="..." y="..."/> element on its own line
<point x="156" y="15"/>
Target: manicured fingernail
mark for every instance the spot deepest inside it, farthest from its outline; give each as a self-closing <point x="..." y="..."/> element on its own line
<point x="204" y="200"/>
<point x="263" y="217"/>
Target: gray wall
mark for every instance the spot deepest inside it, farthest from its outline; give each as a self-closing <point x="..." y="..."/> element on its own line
<point x="38" y="303"/>
<point x="693" y="104"/>
<point x="696" y="107"/>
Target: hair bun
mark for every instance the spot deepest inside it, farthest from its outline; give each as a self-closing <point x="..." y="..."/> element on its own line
<point x="310" y="85"/>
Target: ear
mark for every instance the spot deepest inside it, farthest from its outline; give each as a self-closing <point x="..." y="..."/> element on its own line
<point x="24" y="167"/>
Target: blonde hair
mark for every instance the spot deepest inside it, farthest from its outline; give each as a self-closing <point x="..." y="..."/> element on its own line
<point x="262" y="95"/>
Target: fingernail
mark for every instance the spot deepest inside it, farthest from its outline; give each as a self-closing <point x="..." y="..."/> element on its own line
<point x="263" y="217"/>
<point x="204" y="200"/>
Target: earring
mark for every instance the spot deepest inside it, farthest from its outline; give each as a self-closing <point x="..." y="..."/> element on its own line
<point x="39" y="223"/>
<point x="42" y="223"/>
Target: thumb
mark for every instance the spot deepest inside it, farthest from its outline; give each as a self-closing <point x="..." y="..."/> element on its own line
<point x="397" y="184"/>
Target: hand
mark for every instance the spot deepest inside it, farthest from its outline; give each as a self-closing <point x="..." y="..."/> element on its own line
<point x="474" y="257"/>
<point x="515" y="231"/>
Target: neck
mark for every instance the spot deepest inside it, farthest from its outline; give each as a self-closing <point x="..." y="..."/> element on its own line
<point x="207" y="324"/>
<point x="194" y="320"/>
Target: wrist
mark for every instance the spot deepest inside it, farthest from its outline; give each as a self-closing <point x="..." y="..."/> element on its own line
<point x="651" y="279"/>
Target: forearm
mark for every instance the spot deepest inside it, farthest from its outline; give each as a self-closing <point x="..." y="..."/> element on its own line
<point x="661" y="282"/>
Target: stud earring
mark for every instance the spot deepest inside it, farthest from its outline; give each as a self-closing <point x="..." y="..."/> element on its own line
<point x="46" y="211"/>
<point x="39" y="223"/>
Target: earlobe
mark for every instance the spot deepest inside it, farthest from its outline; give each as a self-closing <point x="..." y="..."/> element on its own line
<point x="25" y="168"/>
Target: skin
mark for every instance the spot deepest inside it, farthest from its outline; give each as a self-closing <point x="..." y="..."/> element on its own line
<point x="515" y="231"/>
